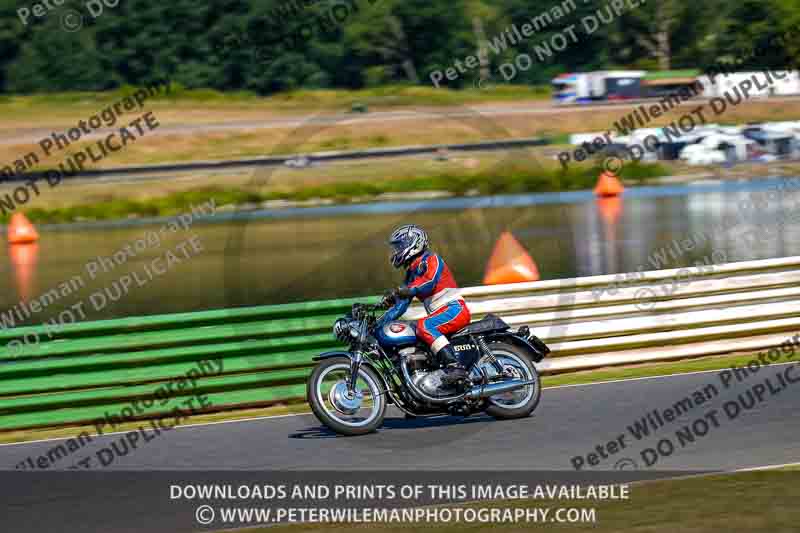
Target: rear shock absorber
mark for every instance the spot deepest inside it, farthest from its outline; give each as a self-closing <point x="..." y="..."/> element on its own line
<point x="488" y="354"/>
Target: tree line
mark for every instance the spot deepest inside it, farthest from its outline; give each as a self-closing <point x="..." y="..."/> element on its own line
<point x="267" y="46"/>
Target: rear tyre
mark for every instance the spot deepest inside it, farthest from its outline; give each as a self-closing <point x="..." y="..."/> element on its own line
<point x="333" y="406"/>
<point x="521" y="402"/>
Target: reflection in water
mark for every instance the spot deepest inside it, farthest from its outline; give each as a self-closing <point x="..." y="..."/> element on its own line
<point x="265" y="261"/>
<point x="610" y="208"/>
<point x="23" y="261"/>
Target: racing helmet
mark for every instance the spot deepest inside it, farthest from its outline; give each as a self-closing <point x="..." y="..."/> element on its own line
<point x="406" y="243"/>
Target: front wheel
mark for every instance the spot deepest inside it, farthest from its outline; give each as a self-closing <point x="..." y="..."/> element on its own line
<point x="339" y="409"/>
<point x="517" y="363"/>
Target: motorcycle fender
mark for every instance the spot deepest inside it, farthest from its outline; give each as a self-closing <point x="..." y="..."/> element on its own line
<point x="343" y="353"/>
<point x="335" y="353"/>
<point x="520" y="342"/>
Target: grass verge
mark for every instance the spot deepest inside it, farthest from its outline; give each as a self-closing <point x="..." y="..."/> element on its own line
<point x="575" y="378"/>
<point x="507" y="177"/>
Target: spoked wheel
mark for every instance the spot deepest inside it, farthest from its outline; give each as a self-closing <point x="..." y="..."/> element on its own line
<point x="339" y="409"/>
<point x="516" y="365"/>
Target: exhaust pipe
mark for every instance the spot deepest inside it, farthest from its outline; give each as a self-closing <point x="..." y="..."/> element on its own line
<point x="480" y="391"/>
<point x="484" y="391"/>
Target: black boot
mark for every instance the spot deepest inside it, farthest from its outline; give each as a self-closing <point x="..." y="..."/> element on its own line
<point x="454" y="371"/>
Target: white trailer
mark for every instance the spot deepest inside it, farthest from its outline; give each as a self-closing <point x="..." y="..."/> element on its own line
<point x="585" y="87"/>
<point x="604" y="82"/>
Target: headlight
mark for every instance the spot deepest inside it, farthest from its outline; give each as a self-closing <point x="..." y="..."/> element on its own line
<point x="341" y="329"/>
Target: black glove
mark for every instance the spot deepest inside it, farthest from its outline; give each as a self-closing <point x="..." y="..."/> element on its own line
<point x="388" y="299"/>
<point x="403" y="292"/>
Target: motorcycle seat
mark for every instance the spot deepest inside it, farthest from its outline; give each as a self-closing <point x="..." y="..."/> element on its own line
<point x="488" y="323"/>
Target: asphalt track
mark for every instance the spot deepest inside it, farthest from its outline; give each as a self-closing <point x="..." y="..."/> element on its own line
<point x="570" y="421"/>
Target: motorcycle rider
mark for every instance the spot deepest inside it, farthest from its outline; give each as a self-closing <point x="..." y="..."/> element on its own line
<point x="429" y="279"/>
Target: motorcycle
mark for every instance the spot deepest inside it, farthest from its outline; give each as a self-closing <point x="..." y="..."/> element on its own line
<point x="349" y="390"/>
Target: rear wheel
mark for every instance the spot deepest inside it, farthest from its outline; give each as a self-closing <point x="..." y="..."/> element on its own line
<point x="517" y="363"/>
<point x="339" y="409"/>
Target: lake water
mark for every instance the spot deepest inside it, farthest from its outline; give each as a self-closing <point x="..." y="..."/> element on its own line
<point x="238" y="259"/>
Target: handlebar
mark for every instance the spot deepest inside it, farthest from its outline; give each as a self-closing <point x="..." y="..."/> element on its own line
<point x="359" y="310"/>
<point x="367" y="311"/>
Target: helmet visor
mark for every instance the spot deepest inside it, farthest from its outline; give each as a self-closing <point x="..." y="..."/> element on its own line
<point x="397" y="249"/>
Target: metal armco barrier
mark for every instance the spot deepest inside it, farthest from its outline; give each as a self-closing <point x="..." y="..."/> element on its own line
<point x="87" y="370"/>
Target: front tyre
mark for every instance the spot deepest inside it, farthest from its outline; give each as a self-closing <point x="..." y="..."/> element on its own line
<point x="521" y="402"/>
<point x="338" y="409"/>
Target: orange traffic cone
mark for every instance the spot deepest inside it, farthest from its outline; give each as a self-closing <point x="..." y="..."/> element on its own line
<point x="608" y="185"/>
<point x="23" y="257"/>
<point x="510" y="263"/>
<point x="21" y="231"/>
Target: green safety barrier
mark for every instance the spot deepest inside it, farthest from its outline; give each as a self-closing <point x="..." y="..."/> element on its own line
<point x="147" y="367"/>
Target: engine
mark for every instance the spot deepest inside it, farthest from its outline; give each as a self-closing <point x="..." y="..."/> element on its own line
<point x="431" y="382"/>
<point x="422" y="373"/>
<point x="416" y="360"/>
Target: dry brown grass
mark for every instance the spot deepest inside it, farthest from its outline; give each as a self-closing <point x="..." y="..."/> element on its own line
<point x="208" y="106"/>
<point x="193" y="146"/>
<point x="360" y="132"/>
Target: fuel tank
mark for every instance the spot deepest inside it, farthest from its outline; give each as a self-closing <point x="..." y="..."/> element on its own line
<point x="398" y="333"/>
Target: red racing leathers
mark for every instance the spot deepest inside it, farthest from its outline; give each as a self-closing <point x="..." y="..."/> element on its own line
<point x="429" y="279"/>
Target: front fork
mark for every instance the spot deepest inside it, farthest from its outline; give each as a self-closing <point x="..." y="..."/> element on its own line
<point x="358" y="357"/>
<point x="355" y="365"/>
